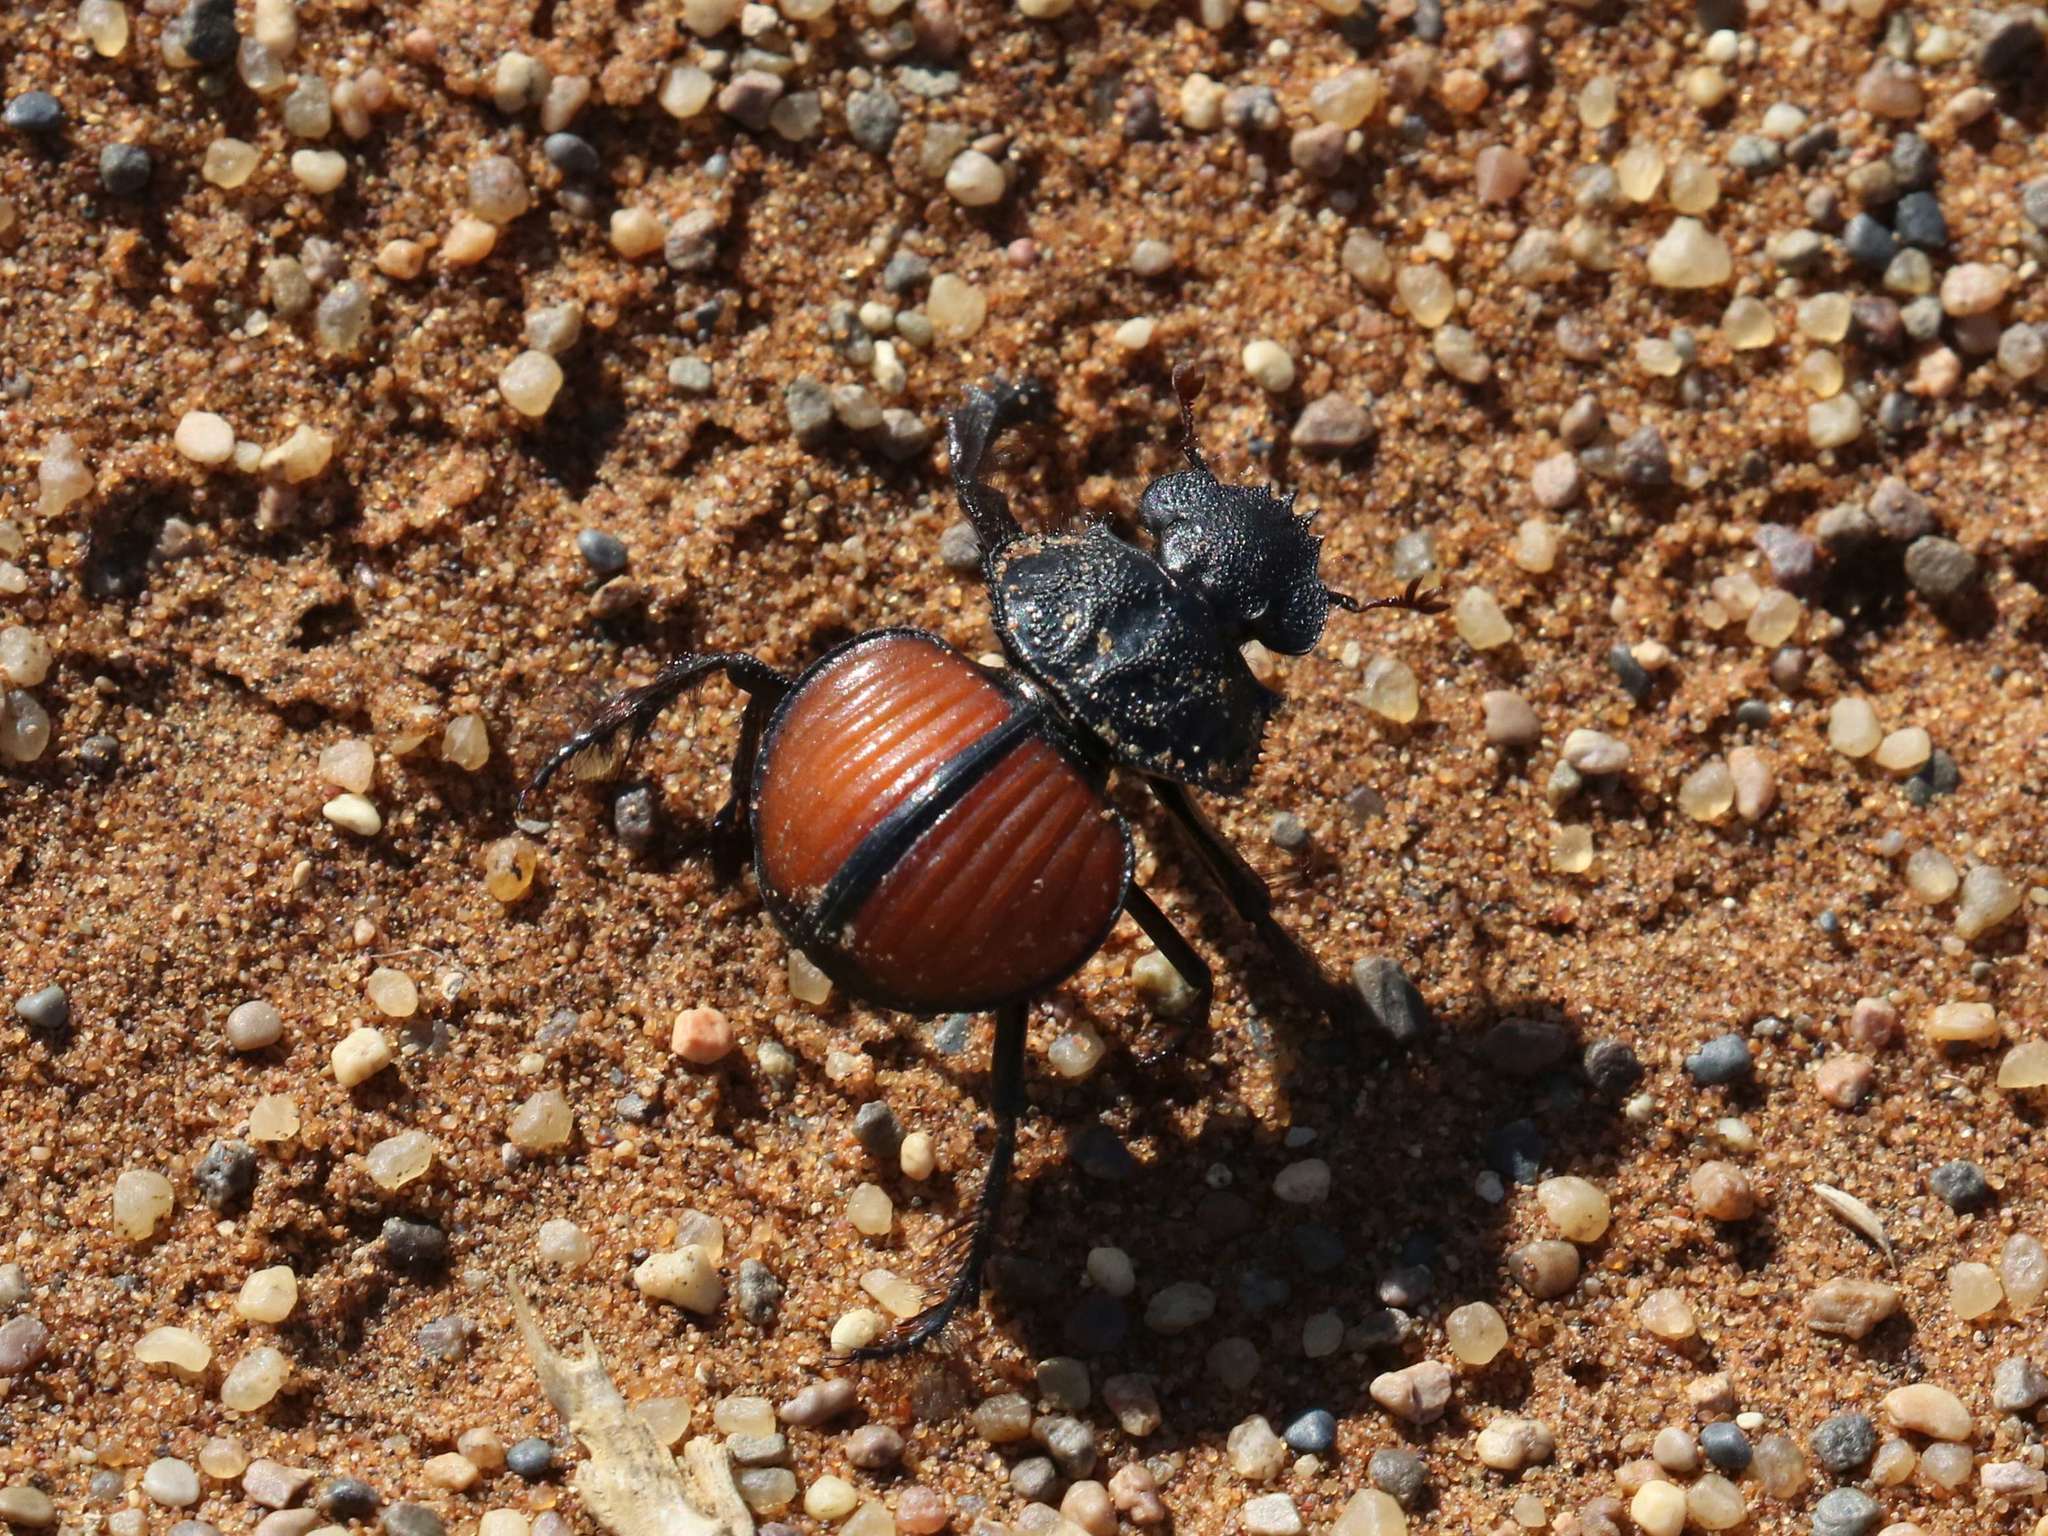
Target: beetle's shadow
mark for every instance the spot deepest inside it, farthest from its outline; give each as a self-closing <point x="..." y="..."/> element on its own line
<point x="1417" y="1141"/>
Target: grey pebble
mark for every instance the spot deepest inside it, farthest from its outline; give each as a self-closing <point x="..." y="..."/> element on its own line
<point x="346" y="1498"/>
<point x="692" y="375"/>
<point x="207" y="31"/>
<point x="1312" y="1433"/>
<point x="36" y="112"/>
<point x="1069" y="1441"/>
<point x="2034" y="202"/>
<point x="1869" y="243"/>
<point x="692" y="242"/>
<point x="1724" y="1059"/>
<point x="47" y="1009"/>
<point x="1845" y="1442"/>
<point x="572" y="154"/>
<point x="1400" y="1474"/>
<point x="1035" y="1479"/>
<point x="2017" y="1384"/>
<point x="874" y="117"/>
<point x="1752" y="154"/>
<point x="1331" y="424"/>
<point x="1918" y="221"/>
<point x="418" y="1246"/>
<point x="24" y="1344"/>
<point x="605" y="553"/>
<point x="1392" y="1000"/>
<point x="1642" y="460"/>
<point x="960" y="547"/>
<point x="125" y="169"/>
<point x="874" y="1447"/>
<point x="769" y="1450"/>
<point x="411" y="1520"/>
<point x="226" y="1175"/>
<point x="445" y="1338"/>
<point x="100" y="754"/>
<point x="818" y="1403"/>
<point x="1845" y="1512"/>
<point x="1960" y="1186"/>
<point x="1915" y="161"/>
<point x="1635" y="682"/>
<point x="1612" y="1067"/>
<point x="905" y="272"/>
<point x="1791" y="553"/>
<point x="878" y="1131"/>
<point x="531" y="1459"/>
<point x="1406" y="1287"/>
<point x="757" y="1293"/>
<point x="1726" y="1446"/>
<point x="1940" y="569"/>
<point x="809" y="405"/>
<point x="633" y="817"/>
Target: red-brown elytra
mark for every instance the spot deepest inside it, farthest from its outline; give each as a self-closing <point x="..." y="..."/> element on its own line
<point x="934" y="835"/>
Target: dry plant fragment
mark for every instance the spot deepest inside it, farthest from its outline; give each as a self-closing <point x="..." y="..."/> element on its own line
<point x="1858" y="1215"/>
<point x="629" y="1482"/>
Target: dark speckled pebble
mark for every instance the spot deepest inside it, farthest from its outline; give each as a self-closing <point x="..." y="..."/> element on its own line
<point x="347" y="1498"/>
<point x="1612" y="1067"/>
<point x="1918" y="221"/>
<point x="878" y="1131"/>
<point x="1629" y="673"/>
<point x="226" y="1175"/>
<point x="605" y="553"/>
<point x="1960" y="1186"/>
<point x="1400" y="1474"/>
<point x="414" y="1245"/>
<point x="125" y="169"/>
<point x="1516" y="1152"/>
<point x="531" y="1459"/>
<point x="1724" y="1059"/>
<point x="208" y="28"/>
<point x="1844" y="1442"/>
<point x="34" y="112"/>
<point x="1754" y="713"/>
<point x="1845" y="1512"/>
<point x="572" y="154"/>
<point x="1869" y="243"/>
<point x="1726" y="1446"/>
<point x="1311" y="1433"/>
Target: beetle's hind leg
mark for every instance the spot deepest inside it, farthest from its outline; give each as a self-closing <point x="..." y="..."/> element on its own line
<point x="1249" y="894"/>
<point x="1006" y="1102"/>
<point x="1181" y="955"/>
<point x="616" y="729"/>
<point x="971" y="430"/>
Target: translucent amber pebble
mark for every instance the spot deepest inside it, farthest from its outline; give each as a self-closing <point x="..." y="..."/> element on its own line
<point x="1599" y="102"/>
<point x="1747" y="325"/>
<point x="807" y="984"/>
<point x="1774" y="619"/>
<point x="2023" y="1266"/>
<point x="142" y="1199"/>
<point x="1479" y="621"/>
<point x="179" y="1348"/>
<point x="2025" y="1066"/>
<point x="392" y="993"/>
<point x="743" y="1415"/>
<point x="1853" y="730"/>
<point x="1426" y="294"/>
<point x="1820" y="374"/>
<point x="1571" y="850"/>
<point x="1577" y="1207"/>
<point x="1640" y="171"/>
<point x="1390" y="690"/>
<point x="870" y="1210"/>
<point x="1371" y="1513"/>
<point x="1963" y="1024"/>
<point x="542" y="1124"/>
<point x="269" y="1295"/>
<point x="1708" y="791"/>
<point x="1825" y="317"/>
<point x="509" y="865"/>
<point x="1668" y="1315"/>
<point x="1476" y="1333"/>
<point x="1535" y="546"/>
<point x="397" y="1160"/>
<point x="274" y="1117"/>
<point x="1931" y="875"/>
<point x="1904" y="750"/>
<point x="1694" y="186"/>
<point x="900" y="1297"/>
<point x="467" y="741"/>
<point x="254" y="1379"/>
<point x="1973" y="1290"/>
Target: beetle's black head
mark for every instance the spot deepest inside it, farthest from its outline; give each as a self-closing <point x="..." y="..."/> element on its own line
<point x="1246" y="551"/>
<point x="1241" y="547"/>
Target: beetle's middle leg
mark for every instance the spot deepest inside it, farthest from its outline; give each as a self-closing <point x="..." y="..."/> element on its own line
<point x="617" y="728"/>
<point x="1006" y="1102"/>
<point x="1249" y="894"/>
<point x="970" y="432"/>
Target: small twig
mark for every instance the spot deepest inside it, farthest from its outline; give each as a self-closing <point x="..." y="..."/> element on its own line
<point x="1858" y="1215"/>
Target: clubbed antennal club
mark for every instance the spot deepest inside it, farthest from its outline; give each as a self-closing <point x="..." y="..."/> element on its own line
<point x="1412" y="600"/>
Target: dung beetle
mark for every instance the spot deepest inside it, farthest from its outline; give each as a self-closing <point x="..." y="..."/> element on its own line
<point x="935" y="836"/>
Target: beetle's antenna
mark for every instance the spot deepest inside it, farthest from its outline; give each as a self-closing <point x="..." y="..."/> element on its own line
<point x="1187" y="386"/>
<point x="1412" y="600"/>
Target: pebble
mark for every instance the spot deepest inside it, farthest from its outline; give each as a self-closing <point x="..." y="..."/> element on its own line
<point x="1926" y="1409"/>
<point x="226" y="1175"/>
<point x="1960" y="1186"/>
<point x="1974" y="288"/>
<point x="1271" y="1514"/>
<point x="361" y="1056"/>
<point x="1331" y="424"/>
<point x="1393" y="1001"/>
<point x="34" y="112"/>
<point x="1989" y="898"/>
<point x="1642" y="461"/>
<point x="1940" y="569"/>
<point x="46" y="1010"/>
<point x="2018" y="1385"/>
<point x="273" y="1484"/>
<point x="1845" y="1079"/>
<point x="1845" y="1512"/>
<point x="1917" y="220"/>
<point x="1178" y="1307"/>
<point x="1689" y="255"/>
<point x="531" y="1460"/>
<point x="974" y="180"/>
<point x="1658" y="1508"/>
<point x="24" y="1345"/>
<point x="125" y="169"/>
<point x="347" y="1498"/>
<point x="1508" y="719"/>
<point x="1869" y="243"/>
<point x="1270" y="366"/>
<point x="1850" y="1308"/>
<point x="1479" y="621"/>
<point x="1726" y="1446"/>
<point x="26" y="1508"/>
<point x="411" y="1520"/>
<point x="1722" y="1060"/>
<point x="414" y="1246"/>
<point x="1417" y="1394"/>
<point x="1721" y="1191"/>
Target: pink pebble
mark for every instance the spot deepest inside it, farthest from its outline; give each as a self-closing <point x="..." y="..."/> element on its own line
<point x="920" y="1511"/>
<point x="1022" y="252"/>
<point x="701" y="1035"/>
